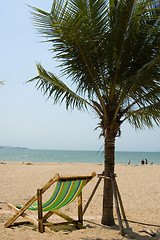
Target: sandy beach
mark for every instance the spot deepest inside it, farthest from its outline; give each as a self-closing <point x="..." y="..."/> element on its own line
<point x="139" y="187"/>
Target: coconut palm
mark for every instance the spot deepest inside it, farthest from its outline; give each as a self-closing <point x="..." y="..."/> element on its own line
<point x="109" y="50"/>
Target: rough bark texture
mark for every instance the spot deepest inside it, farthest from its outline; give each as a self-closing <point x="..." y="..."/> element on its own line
<point x="107" y="217"/>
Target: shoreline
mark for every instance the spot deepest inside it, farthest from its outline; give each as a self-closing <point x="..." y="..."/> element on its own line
<point x="61" y="163"/>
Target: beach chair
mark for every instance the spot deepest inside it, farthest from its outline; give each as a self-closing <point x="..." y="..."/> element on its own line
<point x="66" y="191"/>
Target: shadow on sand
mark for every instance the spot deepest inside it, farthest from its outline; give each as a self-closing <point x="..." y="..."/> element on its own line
<point x="129" y="233"/>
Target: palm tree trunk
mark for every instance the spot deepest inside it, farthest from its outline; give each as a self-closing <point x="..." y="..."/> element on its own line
<point x="109" y="149"/>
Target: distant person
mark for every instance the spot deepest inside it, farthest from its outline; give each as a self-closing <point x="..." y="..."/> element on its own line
<point x="151" y="163"/>
<point x="129" y="162"/>
<point x="142" y="162"/>
<point x="146" y="161"/>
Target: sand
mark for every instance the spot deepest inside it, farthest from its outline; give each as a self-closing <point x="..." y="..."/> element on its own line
<point x="139" y="187"/>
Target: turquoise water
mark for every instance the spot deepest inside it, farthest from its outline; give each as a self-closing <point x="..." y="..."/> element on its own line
<point x="30" y="155"/>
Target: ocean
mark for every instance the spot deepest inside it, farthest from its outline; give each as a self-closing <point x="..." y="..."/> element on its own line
<point x="67" y="156"/>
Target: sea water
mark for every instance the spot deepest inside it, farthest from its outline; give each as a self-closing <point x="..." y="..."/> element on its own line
<point x="66" y="156"/>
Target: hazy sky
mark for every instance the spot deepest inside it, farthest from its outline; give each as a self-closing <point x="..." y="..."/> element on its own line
<point x="27" y="118"/>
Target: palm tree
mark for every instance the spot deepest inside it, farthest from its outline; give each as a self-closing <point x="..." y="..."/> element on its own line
<point x="109" y="50"/>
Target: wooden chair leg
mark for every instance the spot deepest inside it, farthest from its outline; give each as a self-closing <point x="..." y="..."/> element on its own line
<point x="80" y="214"/>
<point x="40" y="214"/>
<point x="24" y="215"/>
<point x="20" y="211"/>
<point x="32" y="200"/>
<point x="67" y="218"/>
<point x="29" y="218"/>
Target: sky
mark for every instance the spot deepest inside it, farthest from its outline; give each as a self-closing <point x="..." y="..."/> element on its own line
<point x="27" y="118"/>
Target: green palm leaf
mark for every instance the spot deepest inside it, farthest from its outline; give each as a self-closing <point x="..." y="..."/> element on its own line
<point x="53" y="87"/>
<point x="144" y="116"/>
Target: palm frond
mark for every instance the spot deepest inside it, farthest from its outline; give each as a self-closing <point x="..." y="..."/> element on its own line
<point x="53" y="87"/>
<point x="110" y="52"/>
<point x="145" y="116"/>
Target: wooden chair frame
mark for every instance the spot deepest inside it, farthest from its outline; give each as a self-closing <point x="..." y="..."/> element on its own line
<point x="42" y="223"/>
